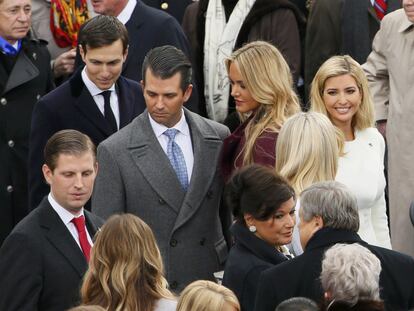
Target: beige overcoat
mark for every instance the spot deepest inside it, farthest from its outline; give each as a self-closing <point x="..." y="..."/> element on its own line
<point x="390" y="72"/>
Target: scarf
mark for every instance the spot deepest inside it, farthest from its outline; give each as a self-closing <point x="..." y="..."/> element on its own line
<point x="219" y="42"/>
<point x="7" y="48"/>
<point x="66" y="17"/>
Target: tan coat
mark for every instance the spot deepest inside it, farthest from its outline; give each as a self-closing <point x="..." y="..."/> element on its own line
<point x="390" y="72"/>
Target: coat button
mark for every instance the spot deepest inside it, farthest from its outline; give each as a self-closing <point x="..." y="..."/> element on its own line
<point x="173" y="285"/>
<point x="173" y="243"/>
<point x="3" y="101"/>
<point x="209" y="194"/>
<point x="9" y="188"/>
<point x="10" y="143"/>
<point x="161" y="201"/>
<point x="203" y="241"/>
<point x="164" y="5"/>
<point x="38" y="96"/>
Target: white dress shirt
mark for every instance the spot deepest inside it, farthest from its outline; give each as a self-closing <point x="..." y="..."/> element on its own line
<point x="183" y="140"/>
<point x="99" y="99"/>
<point x="67" y="217"/>
<point x="126" y="13"/>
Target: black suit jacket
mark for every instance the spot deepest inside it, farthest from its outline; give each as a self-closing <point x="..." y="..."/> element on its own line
<point x="41" y="265"/>
<point x="71" y="106"/>
<point x="247" y="259"/>
<point x="174" y="7"/>
<point x="299" y="277"/>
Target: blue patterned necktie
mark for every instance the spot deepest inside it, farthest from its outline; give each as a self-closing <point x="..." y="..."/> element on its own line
<point x="176" y="157"/>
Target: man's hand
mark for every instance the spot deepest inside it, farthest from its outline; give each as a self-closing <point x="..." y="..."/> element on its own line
<point x="382" y="126"/>
<point x="64" y="63"/>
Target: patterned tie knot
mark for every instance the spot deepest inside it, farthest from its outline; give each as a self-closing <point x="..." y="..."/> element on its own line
<point x="79" y="223"/>
<point x="171" y="133"/>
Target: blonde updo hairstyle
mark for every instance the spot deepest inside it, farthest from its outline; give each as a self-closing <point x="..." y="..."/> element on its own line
<point x="308" y="150"/>
<point x="206" y="296"/>
<point x="338" y="66"/>
<point x="267" y="77"/>
<point x="125" y="270"/>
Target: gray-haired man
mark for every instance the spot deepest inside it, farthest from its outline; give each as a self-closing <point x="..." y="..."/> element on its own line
<point x="329" y="215"/>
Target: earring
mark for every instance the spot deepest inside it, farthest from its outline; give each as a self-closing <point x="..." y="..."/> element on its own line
<point x="252" y="229"/>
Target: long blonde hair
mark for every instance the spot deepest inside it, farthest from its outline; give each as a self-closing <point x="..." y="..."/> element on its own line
<point x="125" y="271"/>
<point x="268" y="79"/>
<point x="308" y="150"/>
<point x="206" y="296"/>
<point x="338" y="66"/>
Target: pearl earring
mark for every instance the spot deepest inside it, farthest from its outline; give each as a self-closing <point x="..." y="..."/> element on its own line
<point x="252" y="229"/>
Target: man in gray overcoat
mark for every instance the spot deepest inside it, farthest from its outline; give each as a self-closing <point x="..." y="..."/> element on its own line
<point x="390" y="73"/>
<point x="162" y="167"/>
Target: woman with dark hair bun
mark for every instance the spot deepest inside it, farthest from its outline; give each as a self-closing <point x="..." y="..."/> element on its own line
<point x="263" y="205"/>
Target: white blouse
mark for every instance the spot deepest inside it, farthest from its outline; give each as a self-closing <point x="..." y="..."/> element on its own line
<point x="361" y="169"/>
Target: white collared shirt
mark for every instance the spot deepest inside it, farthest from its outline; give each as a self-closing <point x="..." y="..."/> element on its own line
<point x="99" y="100"/>
<point x="183" y="140"/>
<point x="67" y="217"/>
<point x="126" y="13"/>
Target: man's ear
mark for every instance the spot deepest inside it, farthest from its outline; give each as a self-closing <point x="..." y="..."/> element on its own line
<point x="188" y="92"/>
<point x="142" y="85"/>
<point x="318" y="223"/>
<point x="47" y="173"/>
<point x="96" y="168"/>
<point x="82" y="52"/>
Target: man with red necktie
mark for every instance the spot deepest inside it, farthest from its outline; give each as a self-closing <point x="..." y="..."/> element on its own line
<point x="43" y="260"/>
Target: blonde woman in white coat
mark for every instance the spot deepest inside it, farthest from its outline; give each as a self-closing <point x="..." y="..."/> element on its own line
<point x="340" y="91"/>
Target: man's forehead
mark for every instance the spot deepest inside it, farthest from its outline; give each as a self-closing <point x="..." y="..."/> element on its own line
<point x="14" y="3"/>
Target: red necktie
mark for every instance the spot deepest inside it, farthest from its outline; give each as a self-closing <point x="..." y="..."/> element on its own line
<point x="79" y="223"/>
<point x="380" y="7"/>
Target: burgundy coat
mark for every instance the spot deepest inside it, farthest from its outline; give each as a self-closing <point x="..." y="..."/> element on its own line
<point x="264" y="152"/>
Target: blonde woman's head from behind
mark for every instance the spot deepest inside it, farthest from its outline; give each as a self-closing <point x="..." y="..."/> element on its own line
<point x="207" y="296"/>
<point x="308" y="150"/>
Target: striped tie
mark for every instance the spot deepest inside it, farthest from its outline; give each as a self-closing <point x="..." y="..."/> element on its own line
<point x="380" y="7"/>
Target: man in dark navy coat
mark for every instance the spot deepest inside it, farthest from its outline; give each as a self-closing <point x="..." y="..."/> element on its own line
<point x="43" y="260"/>
<point x="147" y="28"/>
<point x="25" y="76"/>
<point x="81" y="102"/>
<point x="329" y="215"/>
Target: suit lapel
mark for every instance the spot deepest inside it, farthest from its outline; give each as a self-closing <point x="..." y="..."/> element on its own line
<point x="59" y="236"/>
<point x="137" y="19"/>
<point x="153" y="163"/>
<point x="23" y="71"/>
<point x="206" y="146"/>
<point x="124" y="103"/>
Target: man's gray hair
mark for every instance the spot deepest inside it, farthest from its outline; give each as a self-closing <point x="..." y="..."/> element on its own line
<point x="333" y="202"/>
<point x="350" y="272"/>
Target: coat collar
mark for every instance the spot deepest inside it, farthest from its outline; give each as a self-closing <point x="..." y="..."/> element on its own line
<point x="59" y="236"/>
<point x="329" y="236"/>
<point x="255" y="245"/>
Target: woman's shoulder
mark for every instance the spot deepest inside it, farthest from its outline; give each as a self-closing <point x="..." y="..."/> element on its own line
<point x="165" y="304"/>
<point x="370" y="134"/>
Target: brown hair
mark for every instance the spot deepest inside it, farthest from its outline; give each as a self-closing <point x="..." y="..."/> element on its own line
<point x="70" y="142"/>
<point x="125" y="271"/>
<point x="102" y="30"/>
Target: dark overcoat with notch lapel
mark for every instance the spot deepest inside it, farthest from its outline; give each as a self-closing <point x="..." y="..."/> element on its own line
<point x="71" y="106"/>
<point x="29" y="79"/>
<point x="41" y="265"/>
<point x="136" y="177"/>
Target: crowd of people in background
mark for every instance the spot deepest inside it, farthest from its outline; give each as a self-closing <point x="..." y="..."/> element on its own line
<point x="210" y="155"/>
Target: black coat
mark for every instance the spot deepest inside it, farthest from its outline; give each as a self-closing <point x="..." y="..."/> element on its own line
<point x="300" y="276"/>
<point x="247" y="259"/>
<point x="71" y="106"/>
<point x="29" y="79"/>
<point x="174" y="7"/>
<point x="41" y="265"/>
